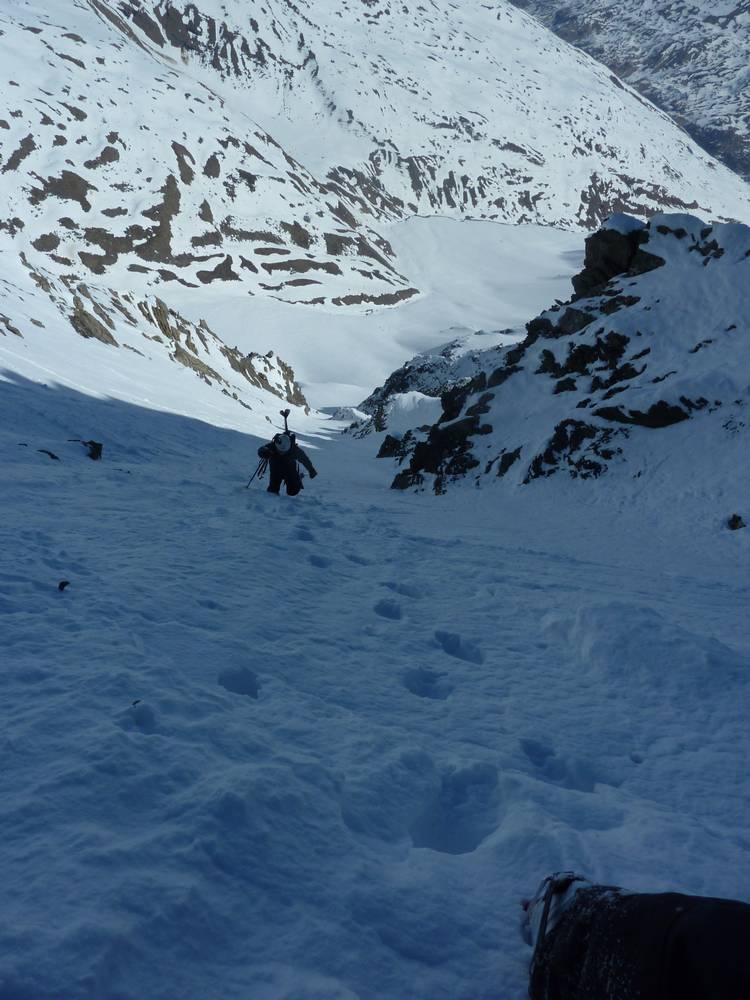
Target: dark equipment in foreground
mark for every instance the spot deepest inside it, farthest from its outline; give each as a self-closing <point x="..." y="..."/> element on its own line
<point x="282" y="455"/>
<point x="598" y="942"/>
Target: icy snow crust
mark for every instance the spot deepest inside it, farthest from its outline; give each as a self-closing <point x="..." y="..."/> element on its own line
<point x="273" y="748"/>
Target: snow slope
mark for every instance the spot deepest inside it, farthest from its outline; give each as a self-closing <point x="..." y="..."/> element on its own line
<point x="321" y="747"/>
<point x="689" y="58"/>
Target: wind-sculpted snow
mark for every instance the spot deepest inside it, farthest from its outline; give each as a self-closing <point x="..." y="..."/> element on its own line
<point x="655" y="337"/>
<point x="689" y="58"/>
<point x="465" y="109"/>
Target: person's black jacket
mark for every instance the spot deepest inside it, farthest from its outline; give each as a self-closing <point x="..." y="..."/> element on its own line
<point x="283" y="467"/>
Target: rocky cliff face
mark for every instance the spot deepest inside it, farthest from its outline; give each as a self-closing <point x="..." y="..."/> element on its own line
<point x="689" y="58"/>
<point x="656" y="334"/>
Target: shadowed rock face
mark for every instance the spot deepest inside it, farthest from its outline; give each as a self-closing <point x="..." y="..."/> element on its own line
<point x="630" y="357"/>
<point x="683" y="57"/>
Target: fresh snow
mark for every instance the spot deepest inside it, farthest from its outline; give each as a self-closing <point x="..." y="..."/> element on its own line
<point x="322" y="747"/>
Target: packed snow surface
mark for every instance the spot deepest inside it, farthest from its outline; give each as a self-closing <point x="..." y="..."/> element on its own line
<point x="321" y="747"/>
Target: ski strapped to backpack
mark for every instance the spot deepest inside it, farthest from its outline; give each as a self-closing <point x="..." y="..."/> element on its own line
<point x="263" y="464"/>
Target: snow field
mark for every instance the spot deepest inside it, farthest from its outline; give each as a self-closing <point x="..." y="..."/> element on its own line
<point x="321" y="747"/>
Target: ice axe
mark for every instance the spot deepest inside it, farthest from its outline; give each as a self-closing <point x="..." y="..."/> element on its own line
<point x="285" y="415"/>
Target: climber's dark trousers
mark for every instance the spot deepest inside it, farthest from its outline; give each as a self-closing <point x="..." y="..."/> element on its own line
<point x="284" y="470"/>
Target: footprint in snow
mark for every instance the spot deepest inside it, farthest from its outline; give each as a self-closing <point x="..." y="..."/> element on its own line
<point x="405" y="589"/>
<point x="359" y="560"/>
<point x="463" y="812"/>
<point x="320" y="562"/>
<point x="240" y="680"/>
<point x="388" y="609"/>
<point x="455" y="645"/>
<point x="569" y="772"/>
<point x="303" y="535"/>
<point x="426" y="683"/>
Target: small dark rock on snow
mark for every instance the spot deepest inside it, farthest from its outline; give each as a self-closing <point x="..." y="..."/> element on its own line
<point x="735" y="522"/>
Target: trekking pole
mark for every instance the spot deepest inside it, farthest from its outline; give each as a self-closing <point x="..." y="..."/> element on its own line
<point x="259" y="472"/>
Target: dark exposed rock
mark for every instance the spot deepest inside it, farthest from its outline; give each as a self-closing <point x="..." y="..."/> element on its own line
<point x="148" y="26"/>
<point x="108" y="155"/>
<point x="302" y="266"/>
<point x="735" y="522"/>
<point x="11" y="226"/>
<point x="568" y="439"/>
<point x="507" y="459"/>
<point x="212" y="167"/>
<point x="68" y="186"/>
<point x="336" y="245"/>
<point x="386" y="299"/>
<point x="5" y="322"/>
<point x="26" y="147"/>
<point x="393" y="447"/>
<point x="183" y="155"/>
<point x="88" y="325"/>
<point x="46" y="242"/>
<point x="616" y="302"/>
<point x="609" y="253"/>
<point x="298" y="234"/>
<point x="454" y="400"/>
<point x="660" y="414"/>
<point x="565" y="385"/>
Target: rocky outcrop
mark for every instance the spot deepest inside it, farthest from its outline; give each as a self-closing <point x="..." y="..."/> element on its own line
<point x="626" y="357"/>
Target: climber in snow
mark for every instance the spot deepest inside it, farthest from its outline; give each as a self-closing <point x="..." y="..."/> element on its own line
<point x="599" y="942"/>
<point x="282" y="454"/>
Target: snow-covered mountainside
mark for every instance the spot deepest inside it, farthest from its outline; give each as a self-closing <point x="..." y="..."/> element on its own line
<point x="689" y="58"/>
<point x="469" y="108"/>
<point x="654" y="341"/>
<point x="117" y="166"/>
<point x="248" y="145"/>
<point x="227" y="156"/>
<point x="97" y="340"/>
